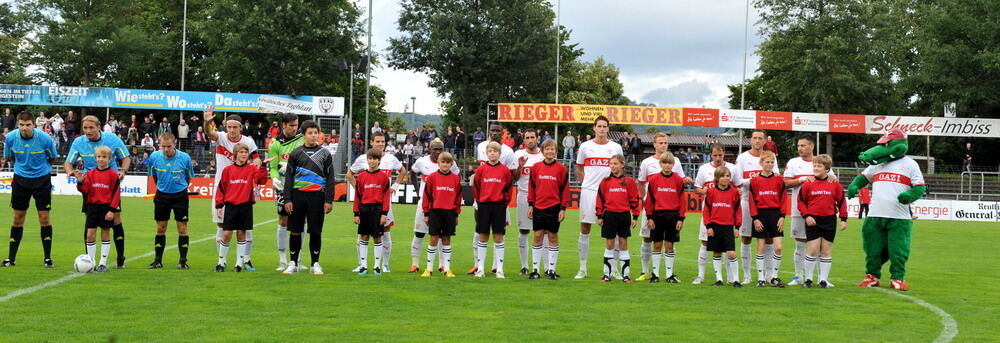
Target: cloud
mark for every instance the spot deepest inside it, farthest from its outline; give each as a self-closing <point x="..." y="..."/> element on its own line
<point x="657" y="46"/>
<point x="684" y="94"/>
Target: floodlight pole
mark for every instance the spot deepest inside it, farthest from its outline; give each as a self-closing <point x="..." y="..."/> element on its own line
<point x="558" y="45"/>
<point x="368" y="71"/>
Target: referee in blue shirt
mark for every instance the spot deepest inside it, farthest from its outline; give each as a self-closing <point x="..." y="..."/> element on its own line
<point x="172" y="170"/>
<point x="83" y="149"/>
<point x="33" y="153"/>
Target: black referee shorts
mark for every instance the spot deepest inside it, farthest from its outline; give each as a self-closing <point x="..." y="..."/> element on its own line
<point x="238" y="217"/>
<point x="546" y="219"/>
<point x="722" y="239"/>
<point x="616" y="224"/>
<point x="665" y="226"/>
<point x="24" y="188"/>
<point x="370" y="215"/>
<point x="491" y="216"/>
<point x="769" y="219"/>
<point x="164" y="203"/>
<point x="306" y="206"/>
<point x="825" y="228"/>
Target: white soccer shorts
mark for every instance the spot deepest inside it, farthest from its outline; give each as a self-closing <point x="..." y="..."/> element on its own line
<point x="588" y="206"/>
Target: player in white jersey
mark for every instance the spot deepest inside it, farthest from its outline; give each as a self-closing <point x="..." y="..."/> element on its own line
<point x="704" y="180"/>
<point x="507" y="159"/>
<point x="747" y="167"/>
<point x="592" y="166"/>
<point x="526" y="158"/>
<point x="651" y="166"/>
<point x="389" y="164"/>
<point x="421" y="168"/>
<point x="225" y="143"/>
<point x="799" y="170"/>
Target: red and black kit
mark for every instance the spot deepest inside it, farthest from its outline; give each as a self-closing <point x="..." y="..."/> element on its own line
<point x="616" y="197"/>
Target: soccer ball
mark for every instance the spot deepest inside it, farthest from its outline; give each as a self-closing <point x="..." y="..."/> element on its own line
<point x="83" y="264"/>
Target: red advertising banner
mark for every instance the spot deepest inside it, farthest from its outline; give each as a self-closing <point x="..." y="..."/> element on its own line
<point x="847" y="123"/>
<point x="707" y="117"/>
<point x="769" y="120"/>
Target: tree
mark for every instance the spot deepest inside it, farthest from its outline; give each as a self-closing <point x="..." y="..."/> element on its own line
<point x="286" y="47"/>
<point x="83" y="43"/>
<point x="480" y="52"/>
<point x="818" y="56"/>
<point x="12" y="33"/>
<point x="896" y="57"/>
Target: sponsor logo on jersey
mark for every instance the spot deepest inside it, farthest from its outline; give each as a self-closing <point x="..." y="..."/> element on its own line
<point x="492" y="180"/>
<point x="547" y="177"/>
<point x="597" y="162"/>
<point x="820" y="192"/>
<point x="767" y="193"/>
<point x="372" y="185"/>
<point x="722" y="204"/>
<point x="666" y="189"/>
<point x="891" y="177"/>
<point x="617" y="190"/>
<point x="444" y="188"/>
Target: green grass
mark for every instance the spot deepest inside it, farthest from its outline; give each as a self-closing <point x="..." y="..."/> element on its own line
<point x="953" y="267"/>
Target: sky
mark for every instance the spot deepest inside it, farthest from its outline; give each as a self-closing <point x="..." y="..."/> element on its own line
<point x="669" y="52"/>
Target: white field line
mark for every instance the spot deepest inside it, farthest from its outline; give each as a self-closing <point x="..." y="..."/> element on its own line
<point x="74" y="275"/>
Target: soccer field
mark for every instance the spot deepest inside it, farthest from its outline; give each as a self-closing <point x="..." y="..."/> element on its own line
<point x="951" y="269"/>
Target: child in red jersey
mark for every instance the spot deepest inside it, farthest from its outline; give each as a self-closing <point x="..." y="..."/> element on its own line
<point x="234" y="202"/>
<point x="617" y="195"/>
<point x="371" y="209"/>
<point x="865" y="200"/>
<point x="102" y="191"/>
<point x="821" y="201"/>
<point x="442" y="203"/>
<point x="665" y="209"/>
<point x="722" y="217"/>
<point x="767" y="200"/>
<point x="548" y="197"/>
<point x="491" y="188"/>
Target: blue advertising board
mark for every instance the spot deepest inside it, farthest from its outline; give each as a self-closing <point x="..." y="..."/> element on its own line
<point x="155" y="99"/>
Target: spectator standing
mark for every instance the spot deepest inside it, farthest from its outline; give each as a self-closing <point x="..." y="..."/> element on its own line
<point x="183" y="133"/>
<point x="376" y="128"/>
<point x="771" y="146"/>
<point x="635" y="146"/>
<point x="200" y="141"/>
<point x="41" y="120"/>
<point x="478" y="137"/>
<point x="967" y="161"/>
<point x="460" y="138"/>
<point x="449" y="141"/>
<point x="357" y="145"/>
<point x="9" y="123"/>
<point x="518" y="139"/>
<point x="259" y="133"/>
<point x="545" y="137"/>
<point x="148" y="127"/>
<point x="70" y="125"/>
<point x="569" y="143"/>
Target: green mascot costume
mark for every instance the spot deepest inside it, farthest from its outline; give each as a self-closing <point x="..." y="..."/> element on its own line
<point x="896" y="182"/>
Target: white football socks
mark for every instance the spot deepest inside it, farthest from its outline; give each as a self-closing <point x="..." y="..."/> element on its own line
<point x="415" y="245"/>
<point x="825" y="263"/>
<point x="760" y="266"/>
<point x="241" y="253"/>
<point x="431" y="252"/>
<point x="645" y="253"/>
<point x="810" y="266"/>
<point x="379" y="251"/>
<point x="732" y="270"/>
<point x="480" y="255"/>
<point x="446" y="252"/>
<point x="282" y="244"/>
<point x="522" y="249"/>
<point x="745" y="257"/>
<point x="717" y="265"/>
<point x="583" y="244"/>
<point x="105" y="251"/>
<point x="800" y="263"/>
<point x="499" y="250"/>
<point x="536" y="257"/>
<point x="553" y="258"/>
<point x="656" y="256"/>
<point x="386" y="249"/>
<point x="91" y="249"/>
<point x="223" y="252"/>
<point x="669" y="256"/>
<point x="702" y="260"/>
<point x="768" y="261"/>
<point x="608" y="256"/>
<point x="363" y="253"/>
<point x="248" y="251"/>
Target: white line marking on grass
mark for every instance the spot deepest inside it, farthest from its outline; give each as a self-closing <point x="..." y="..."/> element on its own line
<point x="72" y="276"/>
<point x="949" y="326"/>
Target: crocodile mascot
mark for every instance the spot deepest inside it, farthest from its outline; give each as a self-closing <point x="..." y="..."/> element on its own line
<point x="896" y="182"/>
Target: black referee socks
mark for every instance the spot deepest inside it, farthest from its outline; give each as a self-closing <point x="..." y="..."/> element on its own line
<point x="15" y="241"/>
<point x="46" y="235"/>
